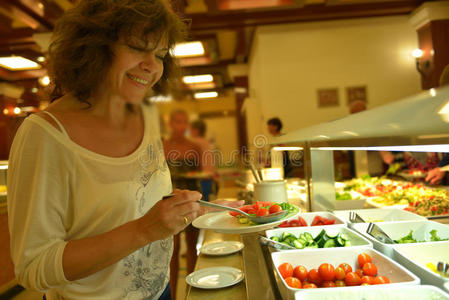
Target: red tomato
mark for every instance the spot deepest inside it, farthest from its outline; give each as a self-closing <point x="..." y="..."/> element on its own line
<point x="300" y="272"/>
<point x="339" y="283"/>
<point x="262" y="212"/>
<point x="346" y="267"/>
<point x="234" y="213"/>
<point x="363" y="258"/>
<point x="364" y="284"/>
<point x="340" y="273"/>
<point x="302" y="221"/>
<point x="327" y="272"/>
<point x="329" y="222"/>
<point x="286" y="270"/>
<point x="294" y="223"/>
<point x="359" y="272"/>
<point x="293" y="282"/>
<point x="328" y="284"/>
<point x="368" y="279"/>
<point x="275" y="208"/>
<point x="381" y="280"/>
<point x="352" y="279"/>
<point x="309" y="286"/>
<point x="284" y="224"/>
<point x="370" y="269"/>
<point x="314" y="277"/>
<point x="252" y="211"/>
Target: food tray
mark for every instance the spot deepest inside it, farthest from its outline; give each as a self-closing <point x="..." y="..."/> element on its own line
<point x="356" y="239"/>
<point x="415" y="257"/>
<point x="308" y="217"/>
<point x="381" y="215"/>
<point x="397" y="274"/>
<point x="398" y="230"/>
<point x="421" y="292"/>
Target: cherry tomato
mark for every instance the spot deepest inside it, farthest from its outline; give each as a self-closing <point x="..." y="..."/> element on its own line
<point x="300" y="272"/>
<point x="346" y="267"/>
<point x="381" y="280"/>
<point x="328" y="284"/>
<point x="275" y="208"/>
<point x="364" y="284"/>
<point x="314" y="277"/>
<point x="262" y="212"/>
<point x="252" y="211"/>
<point x="352" y="279"/>
<point x="340" y="283"/>
<point x="370" y="269"/>
<point x="340" y="273"/>
<point x="327" y="272"/>
<point x="309" y="286"/>
<point x="293" y="282"/>
<point x="368" y="279"/>
<point x="363" y="259"/>
<point x="286" y="270"/>
<point x="359" y="272"/>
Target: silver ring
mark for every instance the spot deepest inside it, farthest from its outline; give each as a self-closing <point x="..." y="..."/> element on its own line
<point x="186" y="220"/>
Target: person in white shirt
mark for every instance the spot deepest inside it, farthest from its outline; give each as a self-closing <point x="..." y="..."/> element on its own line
<point x="87" y="176"/>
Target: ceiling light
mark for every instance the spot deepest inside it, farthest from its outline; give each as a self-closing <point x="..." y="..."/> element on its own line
<point x="188" y="49"/>
<point x="17" y="63"/>
<point x="44" y="80"/>
<point x="417" y="53"/>
<point x="161" y="98"/>
<point x="5" y="111"/>
<point x="17" y="110"/>
<point x="40" y="58"/>
<point x="198" y="79"/>
<point x="204" y="95"/>
<point x="34" y="90"/>
<point x="287" y="148"/>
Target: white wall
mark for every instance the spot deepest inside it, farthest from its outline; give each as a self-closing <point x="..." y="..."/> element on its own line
<point x="290" y="62"/>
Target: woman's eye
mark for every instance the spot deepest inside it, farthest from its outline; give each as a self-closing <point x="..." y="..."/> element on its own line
<point x="136" y="48"/>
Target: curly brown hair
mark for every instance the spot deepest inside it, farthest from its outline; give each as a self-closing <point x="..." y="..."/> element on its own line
<point x="80" y="53"/>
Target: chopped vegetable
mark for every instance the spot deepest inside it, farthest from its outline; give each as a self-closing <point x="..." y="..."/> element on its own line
<point x="306" y="240"/>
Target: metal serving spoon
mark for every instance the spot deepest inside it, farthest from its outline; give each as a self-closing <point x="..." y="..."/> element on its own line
<point x="259" y="220"/>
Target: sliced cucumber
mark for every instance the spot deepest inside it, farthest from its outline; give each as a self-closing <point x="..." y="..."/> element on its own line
<point x="320" y="235"/>
<point x="298" y="245"/>
<point x="275" y="238"/>
<point x="302" y="241"/>
<point x="332" y="236"/>
<point x="309" y="237"/>
<point x="344" y="236"/>
<point x="348" y="244"/>
<point x="285" y="235"/>
<point x="330" y="243"/>
<point x="341" y="242"/>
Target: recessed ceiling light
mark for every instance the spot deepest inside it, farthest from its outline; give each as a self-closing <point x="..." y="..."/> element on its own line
<point x="198" y="79"/>
<point x="17" y="110"/>
<point x="17" y="63"/>
<point x="34" y="90"/>
<point x="204" y="95"/>
<point x="44" y="80"/>
<point x="40" y="58"/>
<point x="188" y="49"/>
<point x="417" y="53"/>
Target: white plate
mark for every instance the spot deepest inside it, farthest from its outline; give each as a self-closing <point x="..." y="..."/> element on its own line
<point x="215" y="278"/>
<point x="224" y="223"/>
<point x="222" y="248"/>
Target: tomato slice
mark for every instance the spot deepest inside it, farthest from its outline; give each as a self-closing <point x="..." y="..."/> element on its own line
<point x="302" y="221"/>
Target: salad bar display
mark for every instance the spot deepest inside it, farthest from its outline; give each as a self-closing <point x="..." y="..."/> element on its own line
<point x="414" y="197"/>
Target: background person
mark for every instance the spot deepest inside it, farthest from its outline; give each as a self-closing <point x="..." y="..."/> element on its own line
<point x="274" y="127"/>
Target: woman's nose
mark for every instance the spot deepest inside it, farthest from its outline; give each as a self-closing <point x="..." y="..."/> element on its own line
<point x="149" y="63"/>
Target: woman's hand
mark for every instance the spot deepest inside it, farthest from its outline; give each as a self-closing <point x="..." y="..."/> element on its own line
<point x="435" y="176"/>
<point x="170" y="215"/>
<point x="235" y="204"/>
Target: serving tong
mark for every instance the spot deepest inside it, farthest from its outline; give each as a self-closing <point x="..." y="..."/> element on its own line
<point x="443" y="269"/>
<point x="355" y="218"/>
<point x="277" y="245"/>
<point x="377" y="233"/>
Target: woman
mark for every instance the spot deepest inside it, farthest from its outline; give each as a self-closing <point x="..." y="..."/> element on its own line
<point x="87" y="176"/>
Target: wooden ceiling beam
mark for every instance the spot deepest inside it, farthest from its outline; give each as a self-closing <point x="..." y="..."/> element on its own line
<point x="28" y="12"/>
<point x="17" y="36"/>
<point x="21" y="75"/>
<point x="236" y="19"/>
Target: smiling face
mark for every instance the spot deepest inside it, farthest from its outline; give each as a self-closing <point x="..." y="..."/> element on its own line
<point x="135" y="69"/>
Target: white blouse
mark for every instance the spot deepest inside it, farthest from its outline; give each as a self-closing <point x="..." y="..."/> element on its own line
<point x="59" y="191"/>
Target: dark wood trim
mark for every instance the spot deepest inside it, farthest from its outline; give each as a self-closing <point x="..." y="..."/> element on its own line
<point x="242" y="131"/>
<point x="237" y="19"/>
<point x="21" y="75"/>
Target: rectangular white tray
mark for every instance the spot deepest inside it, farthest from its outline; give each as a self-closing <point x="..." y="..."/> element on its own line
<point x="383" y="214"/>
<point x="355" y="238"/>
<point x="309" y="216"/>
<point x="335" y="256"/>
<point x="376" y="292"/>
<point x="415" y="257"/>
<point x="421" y="231"/>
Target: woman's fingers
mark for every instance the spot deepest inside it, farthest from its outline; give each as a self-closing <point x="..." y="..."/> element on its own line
<point x="183" y="196"/>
